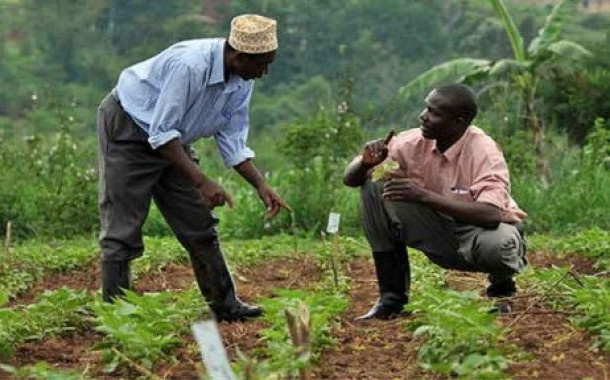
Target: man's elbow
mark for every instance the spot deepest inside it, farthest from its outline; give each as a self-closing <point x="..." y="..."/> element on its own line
<point x="350" y="181"/>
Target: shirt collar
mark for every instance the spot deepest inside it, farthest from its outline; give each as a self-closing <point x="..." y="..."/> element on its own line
<point x="453" y="152"/>
<point x="217" y="75"/>
<point x="218" y="65"/>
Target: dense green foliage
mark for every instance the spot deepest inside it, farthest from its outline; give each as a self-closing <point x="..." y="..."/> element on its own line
<point x="351" y="56"/>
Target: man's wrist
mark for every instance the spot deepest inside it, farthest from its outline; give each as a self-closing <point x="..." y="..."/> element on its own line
<point x="427" y="197"/>
<point x="200" y="180"/>
<point x="366" y="166"/>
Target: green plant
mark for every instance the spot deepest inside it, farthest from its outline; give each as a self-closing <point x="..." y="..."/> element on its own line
<point x="54" y="313"/>
<point x="41" y="371"/>
<point x="593" y="243"/>
<point x="33" y="259"/>
<point x="588" y="297"/>
<point x="459" y="336"/>
<point x="279" y="354"/>
<point x="146" y="327"/>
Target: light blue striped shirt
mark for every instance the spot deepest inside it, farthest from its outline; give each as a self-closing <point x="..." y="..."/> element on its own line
<point x="181" y="93"/>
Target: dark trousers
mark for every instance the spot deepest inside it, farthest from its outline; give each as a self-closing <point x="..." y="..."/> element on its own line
<point x="500" y="251"/>
<point x="131" y="175"/>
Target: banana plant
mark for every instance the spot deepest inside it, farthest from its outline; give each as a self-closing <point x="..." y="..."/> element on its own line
<point x="521" y="72"/>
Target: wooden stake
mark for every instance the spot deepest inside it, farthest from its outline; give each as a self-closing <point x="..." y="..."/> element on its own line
<point x="7" y="238"/>
<point x="293" y="227"/>
<point x="299" y="325"/>
<point x="333" y="260"/>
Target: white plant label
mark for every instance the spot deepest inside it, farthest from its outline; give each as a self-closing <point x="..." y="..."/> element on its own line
<point x="212" y="350"/>
<point x="333" y="222"/>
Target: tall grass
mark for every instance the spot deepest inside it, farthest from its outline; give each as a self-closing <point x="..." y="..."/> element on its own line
<point x="577" y="196"/>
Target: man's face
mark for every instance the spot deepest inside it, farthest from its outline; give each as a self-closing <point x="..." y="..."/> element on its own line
<point x="437" y="122"/>
<point x="253" y="66"/>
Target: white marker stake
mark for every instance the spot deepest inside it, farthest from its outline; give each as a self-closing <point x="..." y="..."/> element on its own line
<point x="212" y="350"/>
<point x="333" y="222"/>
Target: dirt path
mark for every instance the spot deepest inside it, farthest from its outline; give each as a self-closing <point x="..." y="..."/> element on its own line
<point x="371" y="349"/>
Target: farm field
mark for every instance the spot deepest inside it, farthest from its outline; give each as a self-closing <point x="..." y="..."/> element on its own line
<point x="53" y="324"/>
<point x="346" y="72"/>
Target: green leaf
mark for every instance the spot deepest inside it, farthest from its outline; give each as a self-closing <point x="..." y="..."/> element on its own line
<point x="569" y="50"/>
<point x="3" y="297"/>
<point x="454" y="70"/>
<point x="516" y="40"/>
<point x="421" y="330"/>
<point x="507" y="67"/>
<point x="549" y="33"/>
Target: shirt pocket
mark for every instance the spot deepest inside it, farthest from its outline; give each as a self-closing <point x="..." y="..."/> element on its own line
<point x="461" y="192"/>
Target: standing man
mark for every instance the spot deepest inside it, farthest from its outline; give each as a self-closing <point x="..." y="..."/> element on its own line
<point x="450" y="199"/>
<point x="194" y="89"/>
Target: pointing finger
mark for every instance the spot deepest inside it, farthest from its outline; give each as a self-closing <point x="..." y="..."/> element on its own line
<point x="388" y="138"/>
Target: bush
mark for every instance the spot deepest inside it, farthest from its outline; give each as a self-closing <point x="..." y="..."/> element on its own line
<point x="577" y="197"/>
<point x="48" y="187"/>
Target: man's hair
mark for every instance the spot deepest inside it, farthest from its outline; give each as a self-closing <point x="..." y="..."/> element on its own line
<point x="230" y="48"/>
<point x="462" y="101"/>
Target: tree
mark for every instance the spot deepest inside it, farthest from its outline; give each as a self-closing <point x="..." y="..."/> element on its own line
<point x="522" y="71"/>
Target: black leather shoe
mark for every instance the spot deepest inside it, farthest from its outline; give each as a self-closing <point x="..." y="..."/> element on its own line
<point x="381" y="311"/>
<point x="236" y="310"/>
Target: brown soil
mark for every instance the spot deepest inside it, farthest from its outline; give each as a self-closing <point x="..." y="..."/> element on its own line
<point x="558" y="350"/>
<point x="87" y="277"/>
<point x="76" y="351"/>
<point x="364" y="350"/>
<point x="579" y="264"/>
<point x="370" y="349"/>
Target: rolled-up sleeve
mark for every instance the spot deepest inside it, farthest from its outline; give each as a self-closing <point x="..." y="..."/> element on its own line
<point x="175" y="98"/>
<point x="491" y="181"/>
<point x="231" y="141"/>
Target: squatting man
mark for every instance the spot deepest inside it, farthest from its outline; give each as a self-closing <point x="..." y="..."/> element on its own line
<point x="194" y="89"/>
<point x="449" y="198"/>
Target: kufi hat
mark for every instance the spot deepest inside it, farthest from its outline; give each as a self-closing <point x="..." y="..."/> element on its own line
<point x="253" y="34"/>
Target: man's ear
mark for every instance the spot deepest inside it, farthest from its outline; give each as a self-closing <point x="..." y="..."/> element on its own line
<point x="461" y="121"/>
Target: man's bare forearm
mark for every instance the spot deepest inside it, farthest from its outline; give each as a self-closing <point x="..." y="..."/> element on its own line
<point x="356" y="173"/>
<point x="250" y="173"/>
<point x="477" y="213"/>
<point x="174" y="152"/>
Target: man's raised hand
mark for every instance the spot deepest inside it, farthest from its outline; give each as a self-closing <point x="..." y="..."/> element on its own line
<point x="375" y="152"/>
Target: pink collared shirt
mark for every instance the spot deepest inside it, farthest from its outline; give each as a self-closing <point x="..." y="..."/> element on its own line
<point x="473" y="169"/>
